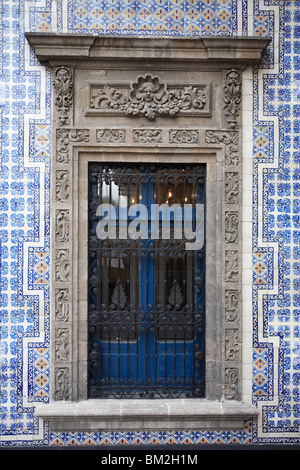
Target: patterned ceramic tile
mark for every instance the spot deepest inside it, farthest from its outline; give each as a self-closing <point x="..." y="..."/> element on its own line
<point x="260" y="268"/>
<point x="280" y="227"/>
<point x="148" y="438"/>
<point x="153" y="17"/>
<point x="25" y="153"/>
<point x="260" y="372"/>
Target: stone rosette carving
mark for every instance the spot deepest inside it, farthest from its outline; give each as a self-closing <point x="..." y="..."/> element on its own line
<point x="232" y="97"/>
<point x="149" y="97"/>
<point x="63" y="88"/>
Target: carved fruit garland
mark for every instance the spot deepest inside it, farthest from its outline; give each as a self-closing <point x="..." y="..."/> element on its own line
<point x="149" y="97"/>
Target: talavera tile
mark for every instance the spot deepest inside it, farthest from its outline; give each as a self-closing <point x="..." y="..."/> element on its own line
<point x="271" y="284"/>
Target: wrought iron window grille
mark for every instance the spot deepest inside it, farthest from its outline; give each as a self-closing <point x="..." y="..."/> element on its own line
<point x="146" y="296"/>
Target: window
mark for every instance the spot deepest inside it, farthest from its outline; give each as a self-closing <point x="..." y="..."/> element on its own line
<point x="140" y="105"/>
<point x="146" y="288"/>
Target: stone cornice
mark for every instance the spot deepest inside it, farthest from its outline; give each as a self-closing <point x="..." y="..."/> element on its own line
<point x="51" y="47"/>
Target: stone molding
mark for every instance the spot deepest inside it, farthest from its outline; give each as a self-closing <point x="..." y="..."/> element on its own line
<point x="126" y="415"/>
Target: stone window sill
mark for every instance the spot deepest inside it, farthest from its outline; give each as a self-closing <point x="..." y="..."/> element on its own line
<point x="160" y="414"/>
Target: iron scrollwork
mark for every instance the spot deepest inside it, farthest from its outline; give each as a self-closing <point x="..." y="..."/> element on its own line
<point x="146" y="295"/>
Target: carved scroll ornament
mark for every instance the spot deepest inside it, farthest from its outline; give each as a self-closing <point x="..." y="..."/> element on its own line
<point x="184" y="136"/>
<point x="231" y="226"/>
<point x="62" y="225"/>
<point x="62" y="300"/>
<point x="63" y="87"/>
<point x="115" y="136"/>
<point x="230" y="139"/>
<point x="62" y="265"/>
<point x="231" y="305"/>
<point x="62" y="185"/>
<point x="231" y="383"/>
<point x="62" y="384"/>
<point x="64" y="138"/>
<point x="232" y="187"/>
<point x="62" y="344"/>
<point x="232" y="97"/>
<point x="149" y="97"/>
<point x="231" y="266"/>
<point x="231" y="344"/>
<point x="147" y="136"/>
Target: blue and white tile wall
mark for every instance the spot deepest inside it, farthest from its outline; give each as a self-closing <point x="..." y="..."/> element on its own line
<point x="273" y="153"/>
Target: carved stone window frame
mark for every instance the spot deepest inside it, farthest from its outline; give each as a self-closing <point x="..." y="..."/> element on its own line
<point x="74" y="146"/>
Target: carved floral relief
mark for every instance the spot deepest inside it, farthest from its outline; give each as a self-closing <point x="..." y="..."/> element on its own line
<point x="63" y="88"/>
<point x="62" y="265"/>
<point x="184" y="136"/>
<point x="147" y="136"/>
<point x="231" y="226"/>
<point x="62" y="300"/>
<point x="62" y="185"/>
<point x="62" y="344"/>
<point x="108" y="136"/>
<point x="232" y="187"/>
<point x="62" y="383"/>
<point x="232" y="97"/>
<point x="62" y="229"/>
<point x="231" y="383"/>
<point x="231" y="266"/>
<point x="149" y="97"/>
<point x="231" y="305"/>
<point x="231" y="344"/>
<point x="64" y="138"/>
<point x="230" y="139"/>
